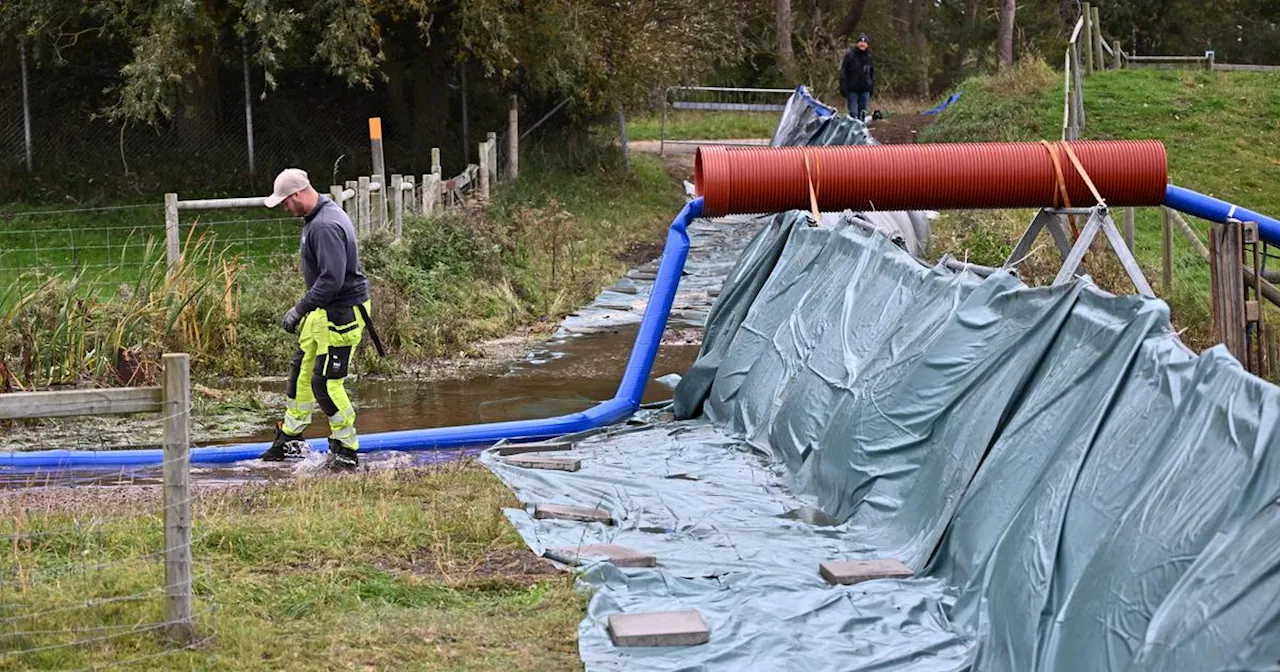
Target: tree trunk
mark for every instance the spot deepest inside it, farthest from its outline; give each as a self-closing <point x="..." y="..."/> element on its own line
<point x="902" y="19"/>
<point x="786" y="58"/>
<point x="400" y="122"/>
<point x="430" y="111"/>
<point x="919" y="23"/>
<point x="1005" y="39"/>
<point x="851" y="18"/>
<point x="622" y="137"/>
<point x="197" y="121"/>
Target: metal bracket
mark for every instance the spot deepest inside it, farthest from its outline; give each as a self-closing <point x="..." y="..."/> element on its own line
<point x="1072" y="255"/>
<point x="1046" y="218"/>
<point x="1100" y="220"/>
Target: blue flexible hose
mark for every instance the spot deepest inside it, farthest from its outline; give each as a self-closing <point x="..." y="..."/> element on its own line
<point x="622" y="405"/>
<point x="1216" y="210"/>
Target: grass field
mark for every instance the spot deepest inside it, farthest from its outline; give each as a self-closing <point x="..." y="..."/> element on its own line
<point x="110" y="245"/>
<point x="1219" y="130"/>
<point x="691" y="125"/>
<point x="404" y="570"/>
<point x="543" y="246"/>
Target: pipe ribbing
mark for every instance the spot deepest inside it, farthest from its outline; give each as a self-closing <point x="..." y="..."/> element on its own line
<point x="742" y="180"/>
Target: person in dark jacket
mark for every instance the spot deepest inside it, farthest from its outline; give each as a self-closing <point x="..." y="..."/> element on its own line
<point x="329" y="319"/>
<point x="857" y="78"/>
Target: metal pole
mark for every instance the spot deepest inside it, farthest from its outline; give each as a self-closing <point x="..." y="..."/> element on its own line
<point x="536" y="124"/>
<point x="248" y="109"/>
<point x="26" y="107"/>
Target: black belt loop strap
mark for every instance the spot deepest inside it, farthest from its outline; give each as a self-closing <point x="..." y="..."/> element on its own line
<point x="373" y="333"/>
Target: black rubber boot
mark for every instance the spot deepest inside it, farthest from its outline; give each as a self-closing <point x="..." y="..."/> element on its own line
<point x="341" y="458"/>
<point x="284" y="447"/>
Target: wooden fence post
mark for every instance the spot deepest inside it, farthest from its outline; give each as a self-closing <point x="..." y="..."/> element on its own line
<point x="378" y="210"/>
<point x="1097" y="39"/>
<point x="352" y="205"/>
<point x="492" y="140"/>
<point x="172" y="239"/>
<point x="177" y="495"/>
<point x="1119" y="55"/>
<point x="1226" y="277"/>
<point x="484" y="172"/>
<point x="1166" y="252"/>
<point x="410" y="202"/>
<point x="362" y="205"/>
<point x="397" y="203"/>
<point x="513" y="139"/>
<point x="1129" y="228"/>
<point x="1088" y="39"/>
<point x="430" y="193"/>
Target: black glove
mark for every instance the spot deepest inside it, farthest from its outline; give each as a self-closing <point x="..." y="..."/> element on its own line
<point x="291" y="320"/>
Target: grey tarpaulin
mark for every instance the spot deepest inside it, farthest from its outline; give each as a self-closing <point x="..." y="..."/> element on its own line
<point x="1076" y="491"/>
<point x="802" y="125"/>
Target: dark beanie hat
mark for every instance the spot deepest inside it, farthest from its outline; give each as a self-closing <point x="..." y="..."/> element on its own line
<point x="862" y="37"/>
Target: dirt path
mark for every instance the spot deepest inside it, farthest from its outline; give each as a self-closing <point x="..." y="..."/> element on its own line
<point x="899" y="128"/>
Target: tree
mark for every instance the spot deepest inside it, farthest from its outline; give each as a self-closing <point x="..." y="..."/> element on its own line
<point x="786" y="58"/>
<point x="852" y="18"/>
<point x="602" y="51"/>
<point x="1005" y="39"/>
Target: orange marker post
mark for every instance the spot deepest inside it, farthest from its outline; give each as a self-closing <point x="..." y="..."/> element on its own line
<point x="379" y="168"/>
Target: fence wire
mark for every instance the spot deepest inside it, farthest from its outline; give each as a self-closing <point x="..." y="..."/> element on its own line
<point x="82" y="585"/>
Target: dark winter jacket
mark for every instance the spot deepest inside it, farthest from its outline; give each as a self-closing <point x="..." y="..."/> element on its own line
<point x="857" y="73"/>
<point x="331" y="265"/>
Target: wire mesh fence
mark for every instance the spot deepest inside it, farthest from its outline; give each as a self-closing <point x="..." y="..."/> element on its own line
<point x="106" y="247"/>
<point x="104" y="578"/>
<point x="56" y="145"/>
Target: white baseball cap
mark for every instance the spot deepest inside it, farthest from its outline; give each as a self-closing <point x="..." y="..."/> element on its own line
<point x="289" y="182"/>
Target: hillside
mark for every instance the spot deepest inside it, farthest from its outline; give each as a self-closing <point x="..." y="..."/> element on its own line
<point x="1220" y="129"/>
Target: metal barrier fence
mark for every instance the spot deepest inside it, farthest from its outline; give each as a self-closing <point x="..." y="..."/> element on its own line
<point x="719" y="99"/>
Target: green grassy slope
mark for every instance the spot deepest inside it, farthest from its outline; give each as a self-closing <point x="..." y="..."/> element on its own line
<point x="1221" y="131"/>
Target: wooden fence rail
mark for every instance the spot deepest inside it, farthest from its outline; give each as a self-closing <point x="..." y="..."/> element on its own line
<point x="173" y="399"/>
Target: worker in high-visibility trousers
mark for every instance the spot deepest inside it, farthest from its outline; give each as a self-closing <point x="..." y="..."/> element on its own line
<point x="330" y="320"/>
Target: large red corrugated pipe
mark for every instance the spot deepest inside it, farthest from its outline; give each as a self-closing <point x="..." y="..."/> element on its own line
<point x="746" y="180"/>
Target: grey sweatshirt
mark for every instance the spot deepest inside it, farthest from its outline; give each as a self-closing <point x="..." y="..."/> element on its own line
<point x="330" y="260"/>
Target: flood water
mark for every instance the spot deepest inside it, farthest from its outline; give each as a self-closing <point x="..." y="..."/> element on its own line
<point x="562" y="376"/>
